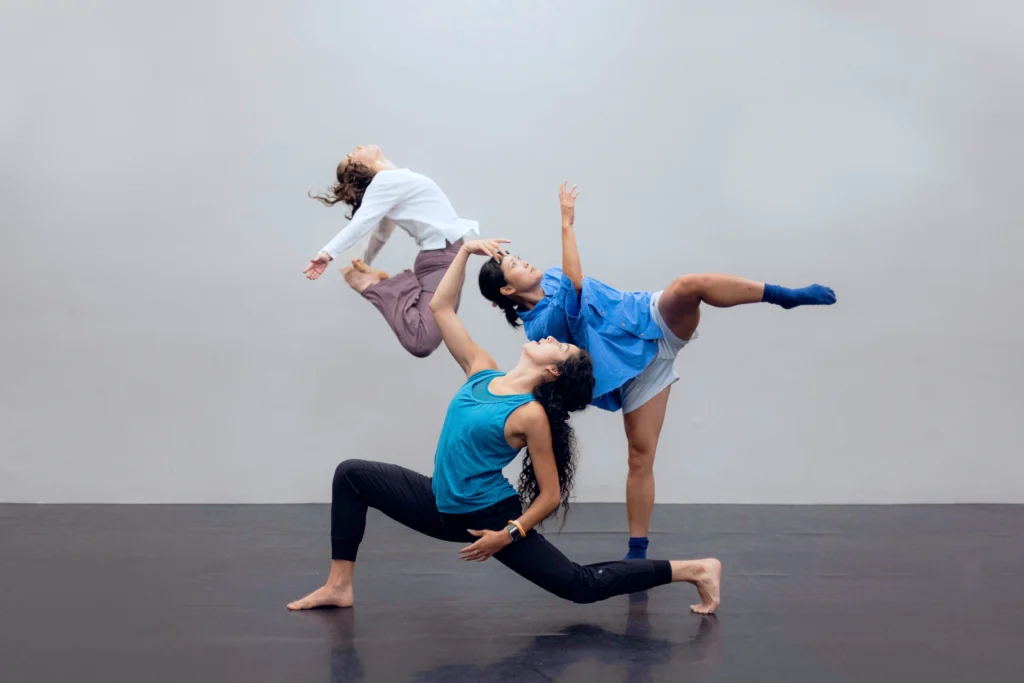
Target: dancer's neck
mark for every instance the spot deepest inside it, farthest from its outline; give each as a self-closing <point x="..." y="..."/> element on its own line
<point x="530" y="298"/>
<point x="522" y="379"/>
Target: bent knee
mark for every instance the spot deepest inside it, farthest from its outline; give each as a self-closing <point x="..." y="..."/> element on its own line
<point x="689" y="287"/>
<point x="422" y="345"/>
<point x="346" y="467"/>
<point x="421" y="350"/>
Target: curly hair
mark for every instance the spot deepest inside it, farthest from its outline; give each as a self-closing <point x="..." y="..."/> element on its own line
<point x="491" y="280"/>
<point x="568" y="392"/>
<point x="353" y="180"/>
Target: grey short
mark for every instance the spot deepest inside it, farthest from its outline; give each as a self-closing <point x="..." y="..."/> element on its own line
<point x="661" y="373"/>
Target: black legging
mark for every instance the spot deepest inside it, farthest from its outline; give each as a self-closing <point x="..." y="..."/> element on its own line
<point x="406" y="497"/>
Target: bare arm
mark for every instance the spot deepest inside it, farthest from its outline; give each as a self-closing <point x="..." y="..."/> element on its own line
<point x="530" y="422"/>
<point x="537" y="430"/>
<point x="571" y="267"/>
<point x="464" y="350"/>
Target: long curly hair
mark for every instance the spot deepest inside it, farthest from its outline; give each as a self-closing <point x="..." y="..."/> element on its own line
<point x="353" y="180"/>
<point x="570" y="391"/>
<point x="491" y="280"/>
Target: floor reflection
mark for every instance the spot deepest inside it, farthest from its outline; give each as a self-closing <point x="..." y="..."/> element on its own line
<point x="632" y="654"/>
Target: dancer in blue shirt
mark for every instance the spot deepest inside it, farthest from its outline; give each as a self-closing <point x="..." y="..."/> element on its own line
<point x="632" y="337"/>
<point x="490" y="420"/>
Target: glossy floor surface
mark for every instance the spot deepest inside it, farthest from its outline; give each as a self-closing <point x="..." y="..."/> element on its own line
<point x="198" y="593"/>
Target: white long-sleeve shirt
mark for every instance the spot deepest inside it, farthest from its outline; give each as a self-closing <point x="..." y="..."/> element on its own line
<point x="410" y="201"/>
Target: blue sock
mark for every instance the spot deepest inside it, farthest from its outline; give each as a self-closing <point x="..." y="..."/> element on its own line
<point x="815" y="295"/>
<point x="637" y="548"/>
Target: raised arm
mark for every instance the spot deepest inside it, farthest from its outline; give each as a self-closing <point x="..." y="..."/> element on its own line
<point x="570" y="252"/>
<point x="464" y="350"/>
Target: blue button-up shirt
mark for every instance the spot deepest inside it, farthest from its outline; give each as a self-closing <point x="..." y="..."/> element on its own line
<point x="615" y="327"/>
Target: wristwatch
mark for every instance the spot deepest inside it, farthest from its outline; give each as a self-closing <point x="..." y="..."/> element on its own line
<point x="514" y="532"/>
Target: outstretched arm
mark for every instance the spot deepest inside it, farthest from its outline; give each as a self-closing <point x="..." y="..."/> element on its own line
<point x="570" y="252"/>
<point x="464" y="350"/>
<point x="383" y="193"/>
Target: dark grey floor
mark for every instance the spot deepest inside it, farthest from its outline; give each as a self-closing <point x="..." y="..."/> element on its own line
<point x="820" y="594"/>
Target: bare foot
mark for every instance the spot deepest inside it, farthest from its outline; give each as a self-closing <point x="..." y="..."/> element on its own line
<point x="327" y="596"/>
<point x="708" y="586"/>
<point x="358" y="264"/>
<point x="357" y="279"/>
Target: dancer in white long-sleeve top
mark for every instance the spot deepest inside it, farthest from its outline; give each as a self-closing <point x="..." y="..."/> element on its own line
<point x="382" y="197"/>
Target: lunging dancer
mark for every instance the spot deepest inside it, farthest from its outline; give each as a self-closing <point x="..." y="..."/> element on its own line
<point x="491" y="418"/>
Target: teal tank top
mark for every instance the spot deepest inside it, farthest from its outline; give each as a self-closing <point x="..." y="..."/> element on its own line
<point x="472" y="449"/>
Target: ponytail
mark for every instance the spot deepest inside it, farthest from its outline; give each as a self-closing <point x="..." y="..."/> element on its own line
<point x="511" y="314"/>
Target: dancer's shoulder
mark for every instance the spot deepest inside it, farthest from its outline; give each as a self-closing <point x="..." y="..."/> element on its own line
<point x="554" y="280"/>
<point x="391" y="176"/>
<point x="483" y="374"/>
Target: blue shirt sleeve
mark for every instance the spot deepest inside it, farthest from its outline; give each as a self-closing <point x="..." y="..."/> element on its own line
<point x="557" y="285"/>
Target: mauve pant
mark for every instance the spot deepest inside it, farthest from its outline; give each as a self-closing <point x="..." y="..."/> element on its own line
<point x="408" y="498"/>
<point x="404" y="300"/>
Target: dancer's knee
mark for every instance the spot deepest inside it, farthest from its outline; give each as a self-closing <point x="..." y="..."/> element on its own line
<point x="582" y="590"/>
<point x="688" y="288"/>
<point x="423" y="344"/>
<point x="347" y="467"/>
<point x="641" y="458"/>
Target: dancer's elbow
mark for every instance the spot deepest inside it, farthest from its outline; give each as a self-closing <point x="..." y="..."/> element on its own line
<point x="547" y="502"/>
<point x="439" y="302"/>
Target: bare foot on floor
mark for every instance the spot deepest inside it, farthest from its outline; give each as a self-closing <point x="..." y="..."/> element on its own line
<point x="327" y="596"/>
<point x="708" y="587"/>
<point x="360" y="265"/>
<point x="357" y="279"/>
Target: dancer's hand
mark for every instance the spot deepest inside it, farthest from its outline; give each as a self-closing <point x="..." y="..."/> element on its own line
<point x="317" y="265"/>
<point x="490" y="248"/>
<point x="567" y="198"/>
<point x="490" y="542"/>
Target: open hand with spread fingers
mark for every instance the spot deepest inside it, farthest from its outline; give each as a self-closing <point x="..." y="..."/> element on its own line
<point x="317" y="265"/>
<point x="567" y="198"/>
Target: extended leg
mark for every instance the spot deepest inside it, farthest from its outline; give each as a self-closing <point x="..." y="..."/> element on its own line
<point x="680" y="302"/>
<point x="538" y="561"/>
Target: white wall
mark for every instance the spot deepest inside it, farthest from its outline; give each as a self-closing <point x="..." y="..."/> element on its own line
<point x="161" y="344"/>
